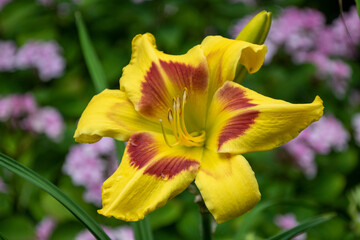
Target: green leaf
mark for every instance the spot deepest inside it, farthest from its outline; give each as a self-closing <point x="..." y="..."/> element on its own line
<point x="91" y="59"/>
<point x="141" y="228"/>
<point x="358" y="6"/>
<point x="249" y="218"/>
<point x="54" y="191"/>
<point x="2" y="237"/>
<point x="303" y="227"/>
<point x="11" y="225"/>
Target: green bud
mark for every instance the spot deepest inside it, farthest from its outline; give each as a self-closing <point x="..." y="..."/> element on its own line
<point x="257" y="29"/>
<point x="255" y="32"/>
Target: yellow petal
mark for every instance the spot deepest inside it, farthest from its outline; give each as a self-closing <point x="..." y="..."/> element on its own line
<point x="111" y="114"/>
<point x="153" y="79"/>
<point x="224" y="55"/>
<point x="149" y="175"/>
<point x="227" y="185"/>
<point x="241" y="120"/>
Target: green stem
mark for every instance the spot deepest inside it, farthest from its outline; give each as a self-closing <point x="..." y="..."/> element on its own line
<point x="142" y="230"/>
<point x="206" y="226"/>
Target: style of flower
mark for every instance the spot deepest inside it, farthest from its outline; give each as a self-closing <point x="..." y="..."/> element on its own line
<point x="185" y="120"/>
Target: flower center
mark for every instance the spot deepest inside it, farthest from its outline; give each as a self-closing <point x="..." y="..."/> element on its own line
<point x="177" y="123"/>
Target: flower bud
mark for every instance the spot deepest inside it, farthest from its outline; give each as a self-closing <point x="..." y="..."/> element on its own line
<point x="255" y="32"/>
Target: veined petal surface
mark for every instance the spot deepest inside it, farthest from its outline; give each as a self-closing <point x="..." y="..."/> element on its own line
<point x="241" y="120"/>
<point x="153" y="79"/>
<point x="111" y="114"/>
<point x="149" y="175"/>
<point x="223" y="56"/>
<point x="227" y="185"/>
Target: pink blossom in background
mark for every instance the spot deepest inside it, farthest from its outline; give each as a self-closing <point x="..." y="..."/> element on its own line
<point x="44" y="56"/>
<point x="22" y="111"/>
<point x="45" y="228"/>
<point x="319" y="138"/>
<point x="288" y="221"/>
<point x="120" y="233"/>
<point x="356" y="126"/>
<point x="326" y="134"/>
<point x="3" y="3"/>
<point x="304" y="157"/>
<point x="89" y="165"/>
<point x="46" y="120"/>
<point x="303" y="34"/>
<point x="7" y="54"/>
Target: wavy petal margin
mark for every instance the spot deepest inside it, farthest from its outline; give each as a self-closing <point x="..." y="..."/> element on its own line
<point x="241" y="120"/>
<point x="149" y="175"/>
<point x="223" y="56"/>
<point x="152" y="79"/>
<point x="227" y="185"/>
<point x="111" y="114"/>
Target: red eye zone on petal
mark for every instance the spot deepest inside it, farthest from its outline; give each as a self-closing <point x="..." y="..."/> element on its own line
<point x="154" y="92"/>
<point x="141" y="149"/>
<point x="233" y="98"/>
<point x="237" y="126"/>
<point x="168" y="167"/>
<point x="182" y="75"/>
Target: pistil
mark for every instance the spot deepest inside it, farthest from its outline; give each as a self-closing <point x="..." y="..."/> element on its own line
<point x="176" y="119"/>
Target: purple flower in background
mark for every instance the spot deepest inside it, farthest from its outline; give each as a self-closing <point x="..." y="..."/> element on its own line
<point x="21" y="111"/>
<point x="288" y="221"/>
<point x="44" y="56"/>
<point x="3" y="3"/>
<point x="45" y="228"/>
<point x="319" y="138"/>
<point x="7" y="54"/>
<point x="307" y="39"/>
<point x="46" y="120"/>
<point x="120" y="233"/>
<point x="326" y="134"/>
<point x="356" y="126"/>
<point x="304" y="157"/>
<point x="89" y="166"/>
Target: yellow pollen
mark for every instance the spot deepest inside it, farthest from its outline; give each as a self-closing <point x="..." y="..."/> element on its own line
<point x="178" y="126"/>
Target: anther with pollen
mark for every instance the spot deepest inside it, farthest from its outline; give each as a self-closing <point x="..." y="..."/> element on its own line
<point x="176" y="120"/>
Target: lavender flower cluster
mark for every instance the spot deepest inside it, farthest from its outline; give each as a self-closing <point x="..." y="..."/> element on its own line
<point x="3" y="3"/>
<point x="45" y="229"/>
<point x="89" y="165"/>
<point x="304" y="35"/>
<point x="288" y="221"/>
<point x="22" y="111"/>
<point x="45" y="57"/>
<point x="311" y="141"/>
<point x="120" y="233"/>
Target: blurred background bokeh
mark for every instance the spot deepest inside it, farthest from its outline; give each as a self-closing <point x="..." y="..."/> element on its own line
<point x="45" y="86"/>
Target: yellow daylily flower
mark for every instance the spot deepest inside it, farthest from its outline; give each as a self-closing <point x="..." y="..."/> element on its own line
<point x="185" y="120"/>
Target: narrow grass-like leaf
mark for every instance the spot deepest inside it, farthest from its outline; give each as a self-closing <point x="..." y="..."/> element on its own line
<point x="141" y="228"/>
<point x="91" y="59"/>
<point x="303" y="227"/>
<point x="358" y="6"/>
<point x="249" y="218"/>
<point x="54" y="191"/>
